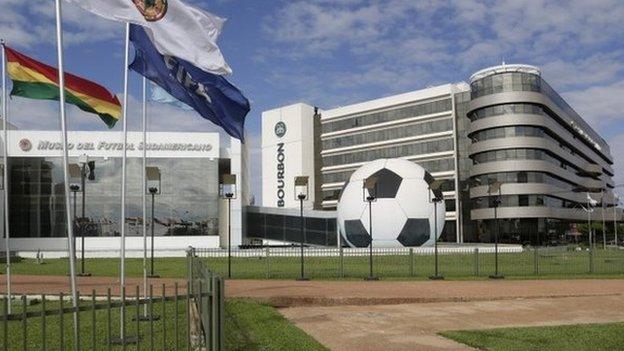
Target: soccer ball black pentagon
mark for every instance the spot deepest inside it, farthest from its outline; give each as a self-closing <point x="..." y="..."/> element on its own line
<point x="403" y="214"/>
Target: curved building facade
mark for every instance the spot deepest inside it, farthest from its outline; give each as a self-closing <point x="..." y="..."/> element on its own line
<point x="549" y="161"/>
<point x="507" y="125"/>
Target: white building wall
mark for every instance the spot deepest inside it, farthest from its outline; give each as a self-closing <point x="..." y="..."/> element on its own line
<point x="286" y="156"/>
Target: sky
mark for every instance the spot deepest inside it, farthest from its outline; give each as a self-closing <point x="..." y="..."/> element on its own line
<point x="333" y="53"/>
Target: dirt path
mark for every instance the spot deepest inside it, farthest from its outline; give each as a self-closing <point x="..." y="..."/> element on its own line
<point x="415" y="326"/>
<point x="288" y="293"/>
<point x="53" y="285"/>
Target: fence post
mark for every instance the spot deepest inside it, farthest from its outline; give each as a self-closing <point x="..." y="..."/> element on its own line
<point x="268" y="263"/>
<point x="214" y="310"/>
<point x="411" y="261"/>
<point x="591" y="260"/>
<point x="476" y="261"/>
<point x="341" y="262"/>
<point x="536" y="261"/>
<point x="222" y="314"/>
<point x="189" y="266"/>
<point x="5" y="322"/>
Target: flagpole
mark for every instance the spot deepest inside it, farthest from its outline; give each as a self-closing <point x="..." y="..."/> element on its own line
<point x="122" y="281"/>
<point x="5" y="173"/>
<point x="69" y="223"/>
<point x="143" y="196"/>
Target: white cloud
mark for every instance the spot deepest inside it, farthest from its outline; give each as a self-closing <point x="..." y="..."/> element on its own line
<point x="600" y="106"/>
<point x="31" y="23"/>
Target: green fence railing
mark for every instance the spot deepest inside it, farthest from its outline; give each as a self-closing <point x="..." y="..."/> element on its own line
<point x="171" y="319"/>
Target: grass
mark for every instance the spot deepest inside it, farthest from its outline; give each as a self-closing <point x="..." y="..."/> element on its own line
<point x="254" y="326"/>
<point x="164" y="327"/>
<point x="550" y="265"/>
<point x="249" y="326"/>
<point x="591" y="337"/>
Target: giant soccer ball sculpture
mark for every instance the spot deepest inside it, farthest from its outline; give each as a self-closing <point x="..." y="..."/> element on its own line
<point x="403" y="213"/>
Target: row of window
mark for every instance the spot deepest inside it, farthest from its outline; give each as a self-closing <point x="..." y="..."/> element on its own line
<point x="433" y="166"/>
<point x="418" y="148"/>
<point x="510" y="81"/>
<point x="507" y="132"/>
<point x="520" y="177"/>
<point x="334" y="195"/>
<point x="514" y="154"/>
<point x="517" y="81"/>
<point x="402" y="131"/>
<point x="389" y="115"/>
<point x="506" y="109"/>
<point x="522" y="201"/>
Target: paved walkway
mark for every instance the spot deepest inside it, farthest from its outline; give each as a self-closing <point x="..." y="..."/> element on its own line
<point x="415" y="326"/>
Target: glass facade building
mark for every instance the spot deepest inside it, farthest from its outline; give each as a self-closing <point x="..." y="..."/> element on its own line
<point x="185" y="205"/>
<point x="547" y="158"/>
<point x="183" y="170"/>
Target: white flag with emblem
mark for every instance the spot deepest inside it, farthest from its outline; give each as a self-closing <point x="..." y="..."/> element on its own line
<point x="176" y="29"/>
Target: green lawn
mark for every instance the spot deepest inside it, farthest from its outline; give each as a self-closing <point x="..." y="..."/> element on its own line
<point x="593" y="337"/>
<point x="525" y="265"/>
<point x="251" y="326"/>
<point x="163" y="332"/>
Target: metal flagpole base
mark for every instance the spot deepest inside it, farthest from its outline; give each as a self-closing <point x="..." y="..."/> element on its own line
<point x="436" y="277"/>
<point x="371" y="278"/>
<point x="303" y="279"/>
<point x="497" y="276"/>
<point x="153" y="276"/>
<point x="146" y="318"/>
<point x="85" y="274"/>
<point x="128" y="340"/>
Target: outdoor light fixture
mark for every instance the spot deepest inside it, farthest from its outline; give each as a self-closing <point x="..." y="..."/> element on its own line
<point x="495" y="187"/>
<point x="153" y="188"/>
<point x="369" y="194"/>
<point x="78" y="170"/>
<point x="435" y="196"/>
<point x="227" y="190"/>
<point x="301" y="194"/>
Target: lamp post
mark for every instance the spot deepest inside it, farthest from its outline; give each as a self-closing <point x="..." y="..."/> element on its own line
<point x="79" y="170"/>
<point x="84" y="162"/>
<point x="75" y="188"/>
<point x="615" y="225"/>
<point x="493" y="188"/>
<point x="434" y="189"/>
<point x="227" y="190"/>
<point x="369" y="194"/>
<point x="153" y="188"/>
<point x="301" y="194"/>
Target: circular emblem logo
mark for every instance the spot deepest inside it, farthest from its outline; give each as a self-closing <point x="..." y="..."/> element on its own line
<point x="280" y="129"/>
<point x="25" y="145"/>
<point x="152" y="10"/>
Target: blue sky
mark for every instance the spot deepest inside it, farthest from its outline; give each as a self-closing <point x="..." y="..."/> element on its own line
<point x="332" y="53"/>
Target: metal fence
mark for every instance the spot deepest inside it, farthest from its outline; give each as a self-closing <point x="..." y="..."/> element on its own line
<point x="453" y="262"/>
<point x="168" y="320"/>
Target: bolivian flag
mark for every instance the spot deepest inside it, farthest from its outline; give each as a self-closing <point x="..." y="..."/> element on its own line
<point x="35" y="80"/>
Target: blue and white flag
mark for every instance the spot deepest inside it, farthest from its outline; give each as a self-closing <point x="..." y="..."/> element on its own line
<point x="211" y="95"/>
<point x="161" y="96"/>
